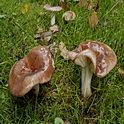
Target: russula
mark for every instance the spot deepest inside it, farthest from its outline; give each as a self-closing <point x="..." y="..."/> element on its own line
<point x="53" y="9"/>
<point x="94" y="57"/>
<point x="69" y="15"/>
<point x="34" y="69"/>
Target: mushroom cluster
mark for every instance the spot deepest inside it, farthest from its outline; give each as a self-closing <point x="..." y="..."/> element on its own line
<point x="68" y="15"/>
<point x="34" y="69"/>
<point x="37" y="67"/>
<point x="94" y="57"/>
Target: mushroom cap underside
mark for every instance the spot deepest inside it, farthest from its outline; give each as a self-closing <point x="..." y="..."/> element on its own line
<point x="105" y="56"/>
<point x="85" y="58"/>
<point x="69" y="15"/>
<point x="35" y="68"/>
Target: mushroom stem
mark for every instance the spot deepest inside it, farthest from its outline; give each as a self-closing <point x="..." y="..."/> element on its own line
<point x="86" y="77"/>
<point x="36" y="89"/>
<point x="53" y="19"/>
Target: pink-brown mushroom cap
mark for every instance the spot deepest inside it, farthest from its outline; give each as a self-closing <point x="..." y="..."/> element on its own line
<point x="35" y="68"/>
<point x="52" y="8"/>
<point x="105" y="56"/>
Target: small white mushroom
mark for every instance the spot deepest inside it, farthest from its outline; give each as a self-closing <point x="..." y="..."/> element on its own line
<point x="53" y="9"/>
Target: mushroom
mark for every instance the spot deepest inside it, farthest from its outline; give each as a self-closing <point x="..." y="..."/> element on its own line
<point x="53" y="9"/>
<point x="94" y="57"/>
<point x="34" y="69"/>
<point x="69" y="15"/>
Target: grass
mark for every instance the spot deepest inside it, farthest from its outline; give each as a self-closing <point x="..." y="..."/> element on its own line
<point x="61" y="97"/>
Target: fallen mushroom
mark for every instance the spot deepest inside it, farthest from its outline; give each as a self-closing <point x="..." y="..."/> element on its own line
<point x="94" y="57"/>
<point x="34" y="69"/>
<point x="69" y="15"/>
<point x="53" y="9"/>
<point x="46" y="35"/>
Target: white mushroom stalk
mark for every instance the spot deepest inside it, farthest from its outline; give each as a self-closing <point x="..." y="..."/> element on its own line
<point x="53" y="19"/>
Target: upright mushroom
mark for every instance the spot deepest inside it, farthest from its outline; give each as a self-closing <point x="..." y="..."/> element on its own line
<point x="35" y="68"/>
<point x="94" y="57"/>
<point x="53" y="9"/>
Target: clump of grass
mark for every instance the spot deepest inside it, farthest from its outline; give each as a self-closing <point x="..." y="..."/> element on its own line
<point x="61" y="97"/>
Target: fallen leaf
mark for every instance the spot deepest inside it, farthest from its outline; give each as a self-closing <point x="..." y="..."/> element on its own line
<point x="69" y="15"/>
<point x="40" y="29"/>
<point x="64" y="51"/>
<point x="38" y="33"/>
<point x="25" y="8"/>
<point x="54" y="29"/>
<point x="43" y="35"/>
<point x="63" y="5"/>
<point x="37" y="36"/>
<point x="88" y="4"/>
<point x="93" y="20"/>
<point x="46" y="35"/>
<point x="83" y="3"/>
<point x="47" y="38"/>
<point x="121" y="72"/>
<point x="52" y="8"/>
<point x="53" y="48"/>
